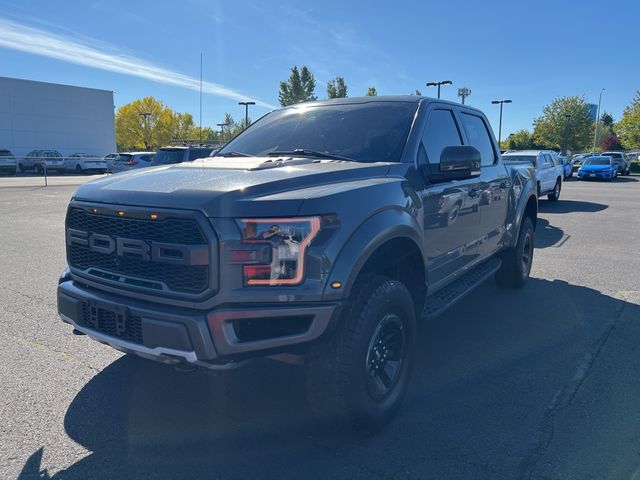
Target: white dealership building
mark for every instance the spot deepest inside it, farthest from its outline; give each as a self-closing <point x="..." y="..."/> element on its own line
<point x="49" y="116"/>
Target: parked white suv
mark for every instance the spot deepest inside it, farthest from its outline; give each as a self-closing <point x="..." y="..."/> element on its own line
<point x="549" y="169"/>
<point x="131" y="160"/>
<point x="83" y="163"/>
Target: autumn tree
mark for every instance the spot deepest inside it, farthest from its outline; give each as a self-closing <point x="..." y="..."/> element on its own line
<point x="300" y="87"/>
<point x="143" y="124"/>
<point x="611" y="142"/>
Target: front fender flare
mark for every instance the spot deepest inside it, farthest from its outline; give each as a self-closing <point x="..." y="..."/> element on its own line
<point x="371" y="234"/>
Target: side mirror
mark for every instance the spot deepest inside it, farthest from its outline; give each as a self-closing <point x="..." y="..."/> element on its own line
<point x="456" y="163"/>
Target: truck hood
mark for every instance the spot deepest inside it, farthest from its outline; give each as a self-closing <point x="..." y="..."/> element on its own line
<point x="229" y="187"/>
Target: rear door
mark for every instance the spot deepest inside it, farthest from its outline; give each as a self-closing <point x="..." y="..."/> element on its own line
<point x="451" y="215"/>
<point x="547" y="173"/>
<point x="494" y="182"/>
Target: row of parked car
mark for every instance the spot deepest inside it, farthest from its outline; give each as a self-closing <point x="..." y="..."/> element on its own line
<point x="552" y="169"/>
<point x="37" y="160"/>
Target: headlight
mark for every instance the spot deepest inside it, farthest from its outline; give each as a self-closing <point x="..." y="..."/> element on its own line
<point x="273" y="249"/>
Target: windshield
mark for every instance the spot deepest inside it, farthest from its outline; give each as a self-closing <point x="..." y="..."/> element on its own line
<point x="167" y="156"/>
<point x="520" y="158"/>
<point x="123" y="157"/>
<point x="364" y="132"/>
<point x="615" y="156"/>
<point x="597" y="161"/>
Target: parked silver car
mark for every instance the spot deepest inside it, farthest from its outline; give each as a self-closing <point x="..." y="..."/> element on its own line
<point x="83" y="163"/>
<point x="7" y="162"/>
<point x="108" y="159"/>
<point x="36" y="160"/>
<point x="131" y="160"/>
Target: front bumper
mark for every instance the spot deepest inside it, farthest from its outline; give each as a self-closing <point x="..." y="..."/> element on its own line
<point x="212" y="339"/>
<point x="595" y="175"/>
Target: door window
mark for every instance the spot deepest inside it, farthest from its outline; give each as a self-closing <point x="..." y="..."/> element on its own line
<point x="441" y="131"/>
<point x="478" y="136"/>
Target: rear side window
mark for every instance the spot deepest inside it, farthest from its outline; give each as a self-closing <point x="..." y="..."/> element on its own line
<point x="478" y="135"/>
<point x="441" y="131"/>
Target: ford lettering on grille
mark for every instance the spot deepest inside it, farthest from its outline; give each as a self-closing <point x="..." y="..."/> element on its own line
<point x="140" y="249"/>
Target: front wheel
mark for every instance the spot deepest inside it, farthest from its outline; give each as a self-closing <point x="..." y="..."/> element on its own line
<point x="360" y="377"/>
<point x="517" y="261"/>
<point x="555" y="194"/>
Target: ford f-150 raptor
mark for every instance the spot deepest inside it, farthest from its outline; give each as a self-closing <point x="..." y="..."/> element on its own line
<point x="325" y="230"/>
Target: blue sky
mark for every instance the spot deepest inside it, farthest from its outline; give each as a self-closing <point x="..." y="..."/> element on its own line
<point x="499" y="49"/>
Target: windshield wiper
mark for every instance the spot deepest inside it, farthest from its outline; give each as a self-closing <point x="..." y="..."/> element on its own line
<point x="234" y="154"/>
<point x="301" y="152"/>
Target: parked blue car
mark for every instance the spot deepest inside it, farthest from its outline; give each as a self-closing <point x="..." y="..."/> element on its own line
<point x="598" y="168"/>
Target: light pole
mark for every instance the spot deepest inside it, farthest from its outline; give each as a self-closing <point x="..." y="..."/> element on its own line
<point x="246" y="112"/>
<point x="463" y="93"/>
<point x="146" y="116"/>
<point x="567" y="129"/>
<point x="439" y="84"/>
<point x="501" y="102"/>
<point x="221" y="125"/>
<point x="595" y="135"/>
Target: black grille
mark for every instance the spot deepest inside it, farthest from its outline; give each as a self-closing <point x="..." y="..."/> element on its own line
<point x="111" y="323"/>
<point x="171" y="230"/>
<point x="190" y="279"/>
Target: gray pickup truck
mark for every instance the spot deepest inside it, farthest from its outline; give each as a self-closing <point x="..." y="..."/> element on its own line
<point x="324" y="231"/>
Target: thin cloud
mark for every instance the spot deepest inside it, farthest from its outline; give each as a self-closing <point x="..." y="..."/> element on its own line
<point x="17" y="36"/>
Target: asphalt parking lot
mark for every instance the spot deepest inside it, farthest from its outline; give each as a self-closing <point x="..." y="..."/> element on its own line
<point x="536" y="383"/>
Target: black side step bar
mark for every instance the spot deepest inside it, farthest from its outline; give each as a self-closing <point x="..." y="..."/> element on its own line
<point x="451" y="294"/>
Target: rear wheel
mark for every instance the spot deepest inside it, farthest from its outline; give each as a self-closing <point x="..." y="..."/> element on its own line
<point x="78" y="169"/>
<point x="555" y="193"/>
<point x="360" y="378"/>
<point x="517" y="261"/>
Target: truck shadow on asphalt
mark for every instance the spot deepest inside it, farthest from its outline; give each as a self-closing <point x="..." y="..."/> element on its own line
<point x="547" y="235"/>
<point x="570" y="206"/>
<point x="482" y="384"/>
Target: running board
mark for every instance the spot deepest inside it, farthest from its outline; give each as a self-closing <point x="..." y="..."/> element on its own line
<point x="451" y="294"/>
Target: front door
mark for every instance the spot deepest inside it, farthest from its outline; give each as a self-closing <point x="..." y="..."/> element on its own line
<point x="495" y="183"/>
<point x="451" y="209"/>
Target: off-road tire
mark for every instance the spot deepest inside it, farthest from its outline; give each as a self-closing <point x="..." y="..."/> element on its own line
<point x="516" y="262"/>
<point x="339" y="378"/>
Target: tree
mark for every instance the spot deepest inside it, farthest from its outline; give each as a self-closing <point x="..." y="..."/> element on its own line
<point x="336" y="88"/>
<point x="144" y="124"/>
<point x="183" y="127"/>
<point x="372" y="92"/>
<point x="523" y="140"/>
<point x="607" y="119"/>
<point x="611" y="142"/>
<point x="628" y="128"/>
<point x="566" y="122"/>
<point x="299" y="88"/>
<point x="418" y="93"/>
